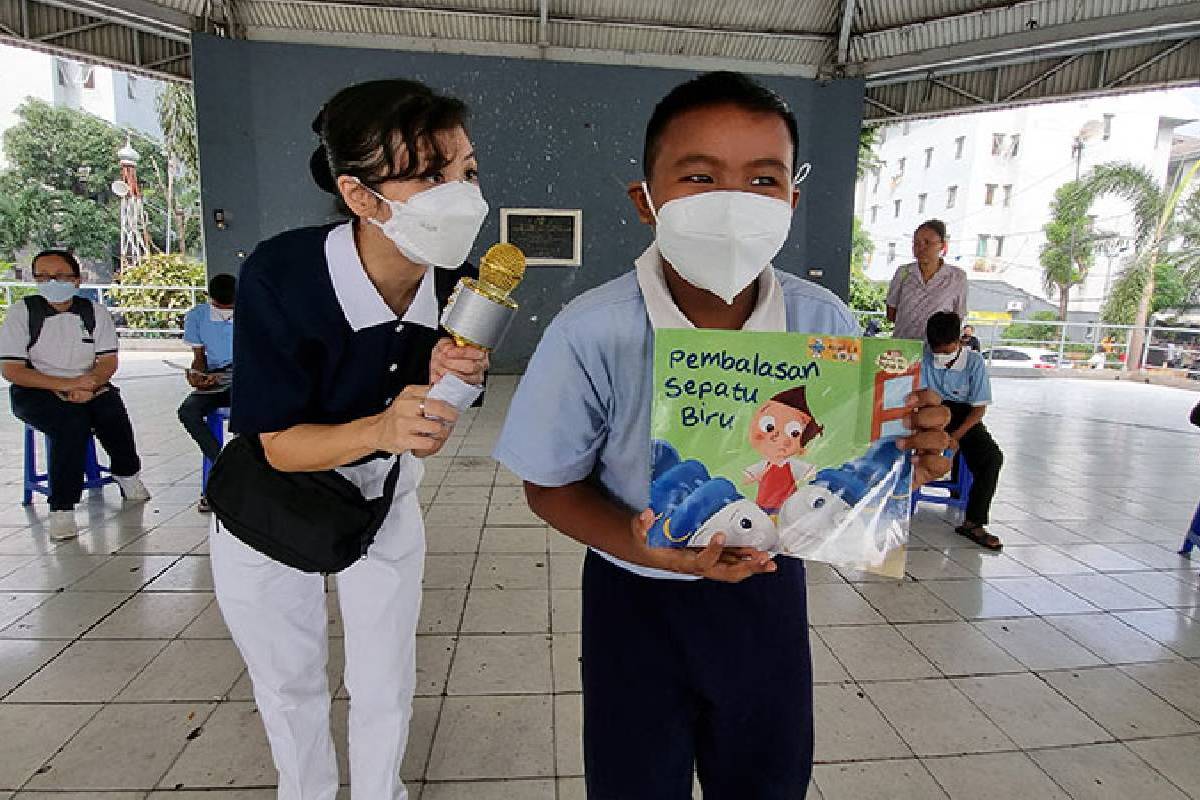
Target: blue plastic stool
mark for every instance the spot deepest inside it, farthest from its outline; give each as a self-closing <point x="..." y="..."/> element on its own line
<point x="1192" y="538"/>
<point x="95" y="475"/>
<point x="216" y="426"/>
<point x="959" y="489"/>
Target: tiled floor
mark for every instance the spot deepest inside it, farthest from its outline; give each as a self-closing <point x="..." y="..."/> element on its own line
<point x="1066" y="667"/>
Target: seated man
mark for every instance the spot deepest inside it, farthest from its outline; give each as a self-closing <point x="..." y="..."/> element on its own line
<point x="59" y="351"/>
<point x="969" y="339"/>
<point x="208" y="328"/>
<point x="960" y="376"/>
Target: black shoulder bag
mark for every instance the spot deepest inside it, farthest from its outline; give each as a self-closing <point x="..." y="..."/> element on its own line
<point x="312" y="521"/>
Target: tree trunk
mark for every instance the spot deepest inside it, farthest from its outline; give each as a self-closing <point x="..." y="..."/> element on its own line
<point x="1064" y="299"/>
<point x="170" y="213"/>
<point x="1133" y="359"/>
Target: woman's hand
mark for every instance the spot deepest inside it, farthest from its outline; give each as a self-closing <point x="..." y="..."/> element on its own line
<point x="468" y="363"/>
<point x="413" y="424"/>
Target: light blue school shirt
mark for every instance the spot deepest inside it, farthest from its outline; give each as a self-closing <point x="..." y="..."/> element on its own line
<point x="582" y="409"/>
<point x="214" y="335"/>
<point x="965" y="382"/>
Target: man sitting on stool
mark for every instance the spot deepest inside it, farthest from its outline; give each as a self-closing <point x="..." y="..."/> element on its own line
<point x="960" y="376"/>
<point x="208" y="328"/>
<point x="59" y="351"/>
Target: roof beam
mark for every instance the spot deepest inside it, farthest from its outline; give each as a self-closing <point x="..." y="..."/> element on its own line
<point x="843" y="45"/>
<point x="1025" y="87"/>
<point x="169" y="26"/>
<point x="90" y="26"/>
<point x="1149" y="62"/>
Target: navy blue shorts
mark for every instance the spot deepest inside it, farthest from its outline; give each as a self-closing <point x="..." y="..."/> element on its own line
<point x="683" y="675"/>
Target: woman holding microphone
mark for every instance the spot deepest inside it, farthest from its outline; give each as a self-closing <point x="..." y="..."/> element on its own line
<point x="336" y="345"/>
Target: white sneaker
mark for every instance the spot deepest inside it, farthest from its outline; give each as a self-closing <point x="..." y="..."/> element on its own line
<point x="132" y="488"/>
<point x="62" y="526"/>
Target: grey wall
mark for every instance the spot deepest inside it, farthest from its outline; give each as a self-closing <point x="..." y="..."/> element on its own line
<point x="549" y="134"/>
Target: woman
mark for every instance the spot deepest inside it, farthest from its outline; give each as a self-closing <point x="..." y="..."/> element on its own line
<point x="337" y="338"/>
<point x="926" y="286"/>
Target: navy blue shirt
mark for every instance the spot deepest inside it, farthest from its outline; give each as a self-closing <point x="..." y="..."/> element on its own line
<point x="314" y="342"/>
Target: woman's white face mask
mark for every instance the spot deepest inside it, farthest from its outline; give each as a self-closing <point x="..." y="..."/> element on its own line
<point x="721" y="241"/>
<point x="436" y="227"/>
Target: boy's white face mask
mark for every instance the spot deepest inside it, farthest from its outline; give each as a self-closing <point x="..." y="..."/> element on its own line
<point x="436" y="227"/>
<point x="946" y="360"/>
<point x="721" y="241"/>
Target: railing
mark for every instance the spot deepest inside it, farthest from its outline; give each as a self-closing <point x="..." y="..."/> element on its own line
<point x="1073" y="344"/>
<point x="107" y="295"/>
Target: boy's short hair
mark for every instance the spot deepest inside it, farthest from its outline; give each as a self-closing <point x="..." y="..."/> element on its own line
<point x="715" y="89"/>
<point x="797" y="398"/>
<point x="223" y="289"/>
<point x="65" y="255"/>
<point x="943" y="328"/>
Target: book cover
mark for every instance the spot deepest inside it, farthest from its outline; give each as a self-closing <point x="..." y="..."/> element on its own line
<point x="784" y="442"/>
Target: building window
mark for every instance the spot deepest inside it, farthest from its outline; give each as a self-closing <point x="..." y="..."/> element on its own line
<point x="1014" y="146"/>
<point x="1007" y="195"/>
<point x="883" y="129"/>
<point x="921" y="203"/>
<point x="928" y="157"/>
<point x="907" y="127"/>
<point x="989" y="194"/>
<point x="891" y="253"/>
<point x="874" y="213"/>
<point x="997" y="144"/>
<point x="897" y="204"/>
<point x="1108" y="118"/>
<point x="981" y="248"/>
<point x="958" y="146"/>
<point x="999" y="246"/>
<point x="951" y="196"/>
<point x="878" y="171"/>
<point x="131" y="87"/>
<point x="900" y="166"/>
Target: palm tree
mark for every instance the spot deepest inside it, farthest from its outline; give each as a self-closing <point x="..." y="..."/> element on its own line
<point x="1068" y="255"/>
<point x="1155" y="225"/>
<point x="177" y="118"/>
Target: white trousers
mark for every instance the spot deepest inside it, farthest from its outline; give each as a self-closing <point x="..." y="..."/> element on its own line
<point x="277" y="616"/>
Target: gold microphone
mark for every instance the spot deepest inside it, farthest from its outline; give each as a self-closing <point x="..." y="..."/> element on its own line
<point x="480" y="312"/>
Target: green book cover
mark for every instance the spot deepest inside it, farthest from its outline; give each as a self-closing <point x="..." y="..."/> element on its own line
<point x="783" y="442"/>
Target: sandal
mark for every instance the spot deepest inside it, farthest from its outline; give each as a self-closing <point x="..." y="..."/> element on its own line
<point x="979" y="535"/>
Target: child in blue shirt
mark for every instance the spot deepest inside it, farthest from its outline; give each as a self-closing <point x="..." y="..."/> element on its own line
<point x="693" y="660"/>
<point x="960" y="377"/>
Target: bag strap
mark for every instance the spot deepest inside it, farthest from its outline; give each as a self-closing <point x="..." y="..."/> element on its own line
<point x="86" y="312"/>
<point x="40" y="308"/>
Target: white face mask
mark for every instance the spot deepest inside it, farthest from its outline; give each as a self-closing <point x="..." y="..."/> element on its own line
<point x="721" y="241"/>
<point x="438" y="226"/>
<point x="57" y="291"/>
<point x="220" y="314"/>
<point x="946" y="360"/>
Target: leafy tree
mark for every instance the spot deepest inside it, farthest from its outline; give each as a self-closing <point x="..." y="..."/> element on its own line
<point x="1031" y="331"/>
<point x="1068" y="254"/>
<point x="57" y="188"/>
<point x="868" y="140"/>
<point x="177" y="118"/>
<point x="159" y="269"/>
<point x="865" y="294"/>
<point x="1158" y="222"/>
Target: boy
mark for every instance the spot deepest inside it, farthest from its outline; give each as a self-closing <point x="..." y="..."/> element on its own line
<point x="208" y="330"/>
<point x="959" y="376"/>
<point x="681" y="673"/>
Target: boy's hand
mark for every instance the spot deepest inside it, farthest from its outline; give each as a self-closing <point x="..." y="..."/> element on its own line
<point x="468" y="363"/>
<point x="714" y="561"/>
<point x="927" y="419"/>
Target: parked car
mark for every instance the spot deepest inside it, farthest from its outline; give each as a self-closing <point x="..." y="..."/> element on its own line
<point x="1022" y="357"/>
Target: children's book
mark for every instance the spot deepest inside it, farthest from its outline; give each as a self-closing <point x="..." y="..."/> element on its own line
<point x="784" y="442"/>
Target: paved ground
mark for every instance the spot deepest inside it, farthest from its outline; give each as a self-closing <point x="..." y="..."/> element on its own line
<point x="1068" y="666"/>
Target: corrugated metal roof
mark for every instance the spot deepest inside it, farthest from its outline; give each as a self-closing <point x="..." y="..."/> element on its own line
<point x="973" y="47"/>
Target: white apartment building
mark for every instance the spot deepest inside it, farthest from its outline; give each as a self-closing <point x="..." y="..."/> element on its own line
<point x="123" y="99"/>
<point x="991" y="178"/>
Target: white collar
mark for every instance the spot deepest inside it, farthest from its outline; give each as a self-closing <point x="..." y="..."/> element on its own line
<point x="960" y="364"/>
<point x="769" y="314"/>
<point x="361" y="303"/>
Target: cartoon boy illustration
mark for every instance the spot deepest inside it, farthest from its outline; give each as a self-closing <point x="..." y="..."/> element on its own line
<point x="781" y="430"/>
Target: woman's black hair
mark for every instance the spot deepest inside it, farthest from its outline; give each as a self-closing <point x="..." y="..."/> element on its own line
<point x="376" y="131"/>
<point x="935" y="225"/>
<point x="715" y="89"/>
